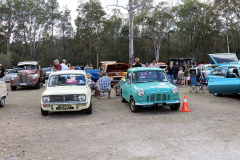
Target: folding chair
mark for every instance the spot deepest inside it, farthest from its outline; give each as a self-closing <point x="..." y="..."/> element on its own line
<point x="194" y="86"/>
<point x="204" y="83"/>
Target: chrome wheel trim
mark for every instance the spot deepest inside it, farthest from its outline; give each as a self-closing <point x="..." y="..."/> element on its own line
<point x="2" y="101"/>
<point x="132" y="105"/>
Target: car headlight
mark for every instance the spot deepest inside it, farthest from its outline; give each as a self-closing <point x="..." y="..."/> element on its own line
<point x="82" y="97"/>
<point x="46" y="98"/>
<point x="175" y="91"/>
<point x="140" y="92"/>
<point x="13" y="78"/>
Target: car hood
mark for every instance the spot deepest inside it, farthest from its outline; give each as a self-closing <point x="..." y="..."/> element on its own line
<point x="64" y="90"/>
<point x="224" y="58"/>
<point x="154" y="87"/>
<point x="26" y="71"/>
<point x="118" y="67"/>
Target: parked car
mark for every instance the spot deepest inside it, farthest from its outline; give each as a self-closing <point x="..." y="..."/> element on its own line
<point x="3" y="93"/>
<point x="95" y="73"/>
<point x="162" y="65"/>
<point x="116" y="71"/>
<point x="29" y="73"/>
<point x="224" y="78"/>
<point x="148" y="87"/>
<point x="9" y="74"/>
<point x="180" y="62"/>
<point x="204" y="69"/>
<point x="66" y="90"/>
<point x="48" y="72"/>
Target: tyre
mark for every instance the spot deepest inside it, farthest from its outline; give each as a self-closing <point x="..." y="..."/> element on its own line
<point x="38" y="85"/>
<point x="2" y="102"/>
<point x="175" y="107"/>
<point x="89" y="110"/>
<point x="134" y="108"/>
<point x="13" y="88"/>
<point x="123" y="99"/>
<point x="44" y="113"/>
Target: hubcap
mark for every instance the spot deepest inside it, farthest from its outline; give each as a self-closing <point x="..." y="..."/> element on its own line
<point x="132" y="105"/>
<point x="2" y="101"/>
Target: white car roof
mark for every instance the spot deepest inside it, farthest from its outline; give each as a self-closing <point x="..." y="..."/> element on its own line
<point x="69" y="72"/>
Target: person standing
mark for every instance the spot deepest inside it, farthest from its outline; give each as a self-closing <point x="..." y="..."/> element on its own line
<point x="137" y="63"/>
<point x="147" y="65"/>
<point x="180" y="75"/>
<point x="170" y="71"/>
<point x="63" y="65"/>
<point x="57" y="66"/>
<point x="186" y="74"/>
<point x="154" y="64"/>
<point x="2" y="73"/>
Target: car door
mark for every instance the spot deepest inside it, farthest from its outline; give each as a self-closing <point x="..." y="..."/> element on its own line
<point x="127" y="87"/>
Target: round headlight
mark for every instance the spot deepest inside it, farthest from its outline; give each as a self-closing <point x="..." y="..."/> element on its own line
<point x="175" y="91"/>
<point x="33" y="76"/>
<point x="82" y="97"/>
<point x="141" y="93"/>
<point x="46" y="98"/>
<point x="12" y="78"/>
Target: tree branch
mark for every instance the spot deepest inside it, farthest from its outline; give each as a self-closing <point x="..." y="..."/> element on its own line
<point x="117" y="6"/>
<point x="140" y="4"/>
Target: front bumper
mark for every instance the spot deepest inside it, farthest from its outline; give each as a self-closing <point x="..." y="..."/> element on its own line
<point x="65" y="106"/>
<point x="23" y="84"/>
<point x="151" y="103"/>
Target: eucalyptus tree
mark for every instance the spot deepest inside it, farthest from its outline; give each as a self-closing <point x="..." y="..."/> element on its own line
<point x="65" y="26"/>
<point x="89" y="23"/>
<point x="53" y="16"/>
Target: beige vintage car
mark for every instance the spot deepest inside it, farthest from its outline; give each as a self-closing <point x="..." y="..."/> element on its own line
<point x="66" y="91"/>
<point x="3" y="93"/>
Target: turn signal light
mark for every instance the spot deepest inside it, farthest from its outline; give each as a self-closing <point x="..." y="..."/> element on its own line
<point x="84" y="104"/>
<point x="44" y="105"/>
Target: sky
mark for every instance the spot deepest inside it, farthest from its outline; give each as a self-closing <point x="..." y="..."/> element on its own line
<point x="73" y="4"/>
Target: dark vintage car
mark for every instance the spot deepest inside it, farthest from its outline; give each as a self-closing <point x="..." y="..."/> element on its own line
<point x="180" y="62"/>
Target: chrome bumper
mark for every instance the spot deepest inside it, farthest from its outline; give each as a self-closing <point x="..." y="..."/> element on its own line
<point x="63" y="103"/>
<point x="149" y="104"/>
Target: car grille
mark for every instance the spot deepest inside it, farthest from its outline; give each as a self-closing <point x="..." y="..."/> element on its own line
<point x="63" y="98"/>
<point x="23" y="78"/>
<point x="158" y="97"/>
<point x="117" y="78"/>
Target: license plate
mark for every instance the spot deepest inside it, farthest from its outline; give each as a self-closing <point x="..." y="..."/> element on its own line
<point x="23" y="84"/>
<point x="65" y="107"/>
<point x="159" y="104"/>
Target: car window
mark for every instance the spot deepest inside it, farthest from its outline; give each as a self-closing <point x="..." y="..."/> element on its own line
<point x="22" y="67"/>
<point x="47" y="69"/>
<point x="219" y="71"/>
<point x="232" y="73"/>
<point x="66" y="80"/>
<point x="149" y="76"/>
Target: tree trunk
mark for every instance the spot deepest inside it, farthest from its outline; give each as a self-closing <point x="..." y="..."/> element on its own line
<point x="131" y="53"/>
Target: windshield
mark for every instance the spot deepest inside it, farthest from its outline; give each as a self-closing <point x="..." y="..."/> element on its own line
<point x="22" y="67"/>
<point x="66" y="80"/>
<point x="149" y="76"/>
<point x="224" y="58"/>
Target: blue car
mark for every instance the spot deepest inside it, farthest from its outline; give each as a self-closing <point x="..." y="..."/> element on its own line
<point x="148" y="87"/>
<point x="95" y="73"/>
<point x="224" y="78"/>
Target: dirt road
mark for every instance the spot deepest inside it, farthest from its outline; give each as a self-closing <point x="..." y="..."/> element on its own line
<point x="112" y="131"/>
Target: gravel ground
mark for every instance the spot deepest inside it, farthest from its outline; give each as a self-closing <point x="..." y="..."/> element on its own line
<point x="112" y="131"/>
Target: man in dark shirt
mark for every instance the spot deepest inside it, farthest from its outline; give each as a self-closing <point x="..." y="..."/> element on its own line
<point x="137" y="63"/>
<point x="57" y="66"/>
<point x="2" y="73"/>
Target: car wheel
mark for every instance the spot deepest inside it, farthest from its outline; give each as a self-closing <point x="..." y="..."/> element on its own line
<point x="134" y="108"/>
<point x="44" y="113"/>
<point x="89" y="110"/>
<point x="123" y="99"/>
<point x="13" y="88"/>
<point x="175" y="107"/>
<point x="37" y="86"/>
<point x="2" y="102"/>
<point x="216" y="94"/>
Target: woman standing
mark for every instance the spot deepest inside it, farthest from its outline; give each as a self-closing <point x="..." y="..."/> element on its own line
<point x="186" y="74"/>
<point x="170" y="71"/>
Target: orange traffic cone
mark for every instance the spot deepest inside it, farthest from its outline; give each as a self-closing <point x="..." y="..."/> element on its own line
<point x="185" y="105"/>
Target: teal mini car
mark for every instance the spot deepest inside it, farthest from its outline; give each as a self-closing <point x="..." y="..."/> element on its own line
<point x="224" y="78"/>
<point x="148" y="87"/>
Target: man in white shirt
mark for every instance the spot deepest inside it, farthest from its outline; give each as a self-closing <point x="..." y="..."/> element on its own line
<point x="64" y="66"/>
<point x="154" y="64"/>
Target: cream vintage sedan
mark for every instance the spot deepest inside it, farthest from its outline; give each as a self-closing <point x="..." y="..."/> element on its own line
<point x="66" y="91"/>
<point x="3" y="93"/>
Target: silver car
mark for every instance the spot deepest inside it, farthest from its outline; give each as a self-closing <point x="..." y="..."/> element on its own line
<point x="10" y="73"/>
